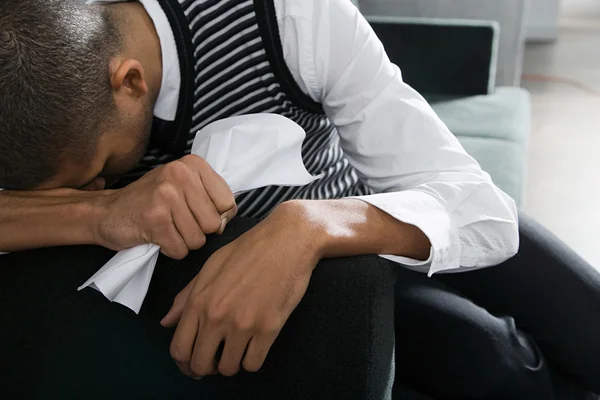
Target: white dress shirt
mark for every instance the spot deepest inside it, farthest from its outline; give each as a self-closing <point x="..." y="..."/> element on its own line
<point x="399" y="146"/>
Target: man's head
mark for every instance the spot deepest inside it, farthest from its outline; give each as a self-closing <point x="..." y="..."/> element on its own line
<point x="74" y="104"/>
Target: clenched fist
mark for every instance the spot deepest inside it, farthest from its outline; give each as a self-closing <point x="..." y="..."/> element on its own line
<point x="174" y="206"/>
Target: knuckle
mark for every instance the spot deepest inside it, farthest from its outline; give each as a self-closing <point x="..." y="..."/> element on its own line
<point x="234" y="207"/>
<point x="180" y="300"/>
<point x="173" y="249"/>
<point x="179" y="253"/>
<point x="216" y="314"/>
<point x="198" y="370"/>
<point x="252" y="365"/>
<point x="244" y="324"/>
<point x="195" y="161"/>
<point x="211" y="224"/>
<point x="199" y="242"/>
<point x="197" y="302"/>
<point x="167" y="191"/>
<point x="158" y="215"/>
<point x="228" y="370"/>
<point x="177" y="170"/>
<point x="270" y="328"/>
<point x="178" y="354"/>
<point x="190" y="158"/>
<point x="227" y="205"/>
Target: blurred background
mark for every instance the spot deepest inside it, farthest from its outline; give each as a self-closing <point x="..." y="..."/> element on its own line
<point x="518" y="82"/>
<point x="563" y="180"/>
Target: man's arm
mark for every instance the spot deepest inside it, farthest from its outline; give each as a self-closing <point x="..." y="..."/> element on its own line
<point x="174" y="206"/>
<point x="47" y="218"/>
<point x="350" y="227"/>
<point x="420" y="173"/>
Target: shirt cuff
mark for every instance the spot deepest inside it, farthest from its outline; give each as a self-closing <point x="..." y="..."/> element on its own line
<point x="428" y="213"/>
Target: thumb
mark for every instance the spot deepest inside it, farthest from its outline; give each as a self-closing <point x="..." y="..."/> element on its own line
<point x="172" y="318"/>
<point x="227" y="217"/>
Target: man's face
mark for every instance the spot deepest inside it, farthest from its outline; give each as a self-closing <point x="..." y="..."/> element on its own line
<point x="118" y="151"/>
<point x="135" y="86"/>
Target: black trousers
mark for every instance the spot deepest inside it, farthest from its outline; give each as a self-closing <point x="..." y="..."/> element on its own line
<point x="528" y="329"/>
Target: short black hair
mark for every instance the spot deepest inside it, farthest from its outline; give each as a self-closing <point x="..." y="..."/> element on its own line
<point x="55" y="95"/>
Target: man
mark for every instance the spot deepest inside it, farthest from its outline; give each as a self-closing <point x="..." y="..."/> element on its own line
<point x="110" y="94"/>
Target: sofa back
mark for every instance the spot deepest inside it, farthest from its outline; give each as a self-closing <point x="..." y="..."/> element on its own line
<point x="510" y="14"/>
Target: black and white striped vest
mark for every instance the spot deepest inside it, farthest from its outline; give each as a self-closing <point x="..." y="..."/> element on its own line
<point x="232" y="63"/>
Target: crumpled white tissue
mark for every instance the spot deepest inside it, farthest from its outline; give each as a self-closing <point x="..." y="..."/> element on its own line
<point x="249" y="152"/>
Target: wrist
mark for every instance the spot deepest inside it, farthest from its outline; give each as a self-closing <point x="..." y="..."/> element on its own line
<point x="309" y="232"/>
<point x="95" y="210"/>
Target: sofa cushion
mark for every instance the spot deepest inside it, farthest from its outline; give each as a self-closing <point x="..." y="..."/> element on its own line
<point x="506" y="115"/>
<point x="503" y="160"/>
<point x="495" y="130"/>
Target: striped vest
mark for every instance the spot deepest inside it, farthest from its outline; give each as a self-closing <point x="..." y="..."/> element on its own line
<point x="232" y="63"/>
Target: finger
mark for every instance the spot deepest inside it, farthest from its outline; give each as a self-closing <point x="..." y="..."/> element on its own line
<point x="171" y="243"/>
<point x="165" y="234"/>
<point x="205" y="350"/>
<point x="96" y="185"/>
<point x="227" y="217"/>
<point x="216" y="187"/>
<point x="235" y="346"/>
<point x="224" y="222"/>
<point x="257" y="351"/>
<point x="184" y="340"/>
<point x="202" y="206"/>
<point x="187" y="226"/>
<point x="174" y="314"/>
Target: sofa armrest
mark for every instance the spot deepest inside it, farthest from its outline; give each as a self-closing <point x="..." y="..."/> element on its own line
<point x="442" y="56"/>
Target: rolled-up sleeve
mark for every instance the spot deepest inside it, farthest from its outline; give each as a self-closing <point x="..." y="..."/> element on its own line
<point x="401" y="149"/>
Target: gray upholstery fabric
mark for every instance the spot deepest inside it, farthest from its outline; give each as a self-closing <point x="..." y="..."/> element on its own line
<point x="494" y="129"/>
<point x="505" y="115"/>
<point x="509" y="13"/>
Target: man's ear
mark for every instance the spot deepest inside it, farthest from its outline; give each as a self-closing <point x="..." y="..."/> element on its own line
<point x="128" y="78"/>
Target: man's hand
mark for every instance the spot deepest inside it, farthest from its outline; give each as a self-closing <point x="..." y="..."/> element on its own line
<point x="247" y="290"/>
<point x="243" y="296"/>
<point x="174" y="206"/>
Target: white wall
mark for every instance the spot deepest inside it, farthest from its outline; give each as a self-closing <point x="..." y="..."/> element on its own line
<point x="585" y="9"/>
<point x="542" y="22"/>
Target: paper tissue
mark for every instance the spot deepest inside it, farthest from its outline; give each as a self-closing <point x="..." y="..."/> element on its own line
<point x="249" y="152"/>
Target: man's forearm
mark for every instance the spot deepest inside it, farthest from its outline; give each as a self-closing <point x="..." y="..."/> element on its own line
<point x="50" y="218"/>
<point x="350" y="227"/>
